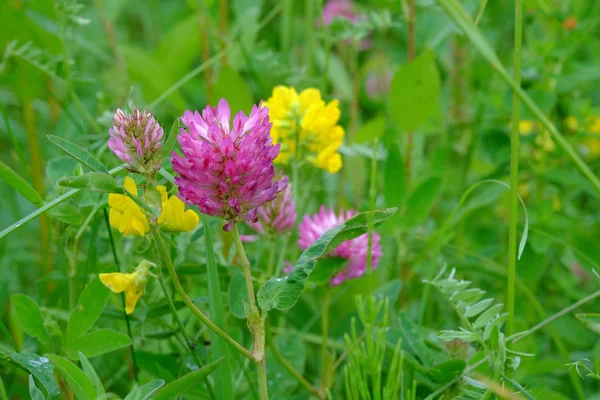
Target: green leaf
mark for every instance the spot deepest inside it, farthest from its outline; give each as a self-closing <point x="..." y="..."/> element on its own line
<point x="487" y="316"/>
<point x="478" y="308"/>
<point x="591" y="321"/>
<point x="414" y="92"/>
<point x="97" y="343"/>
<point x="413" y="339"/>
<point x="83" y="317"/>
<point x="77" y="380"/>
<point x="67" y="213"/>
<point x="223" y="377"/>
<point x="326" y="268"/>
<point x="30" y="316"/>
<point x="79" y="154"/>
<point x="293" y="350"/>
<point x="231" y="86"/>
<point x="394" y="178"/>
<point x="97" y="181"/>
<point x="421" y="200"/>
<point x="390" y="290"/>
<point x="372" y="129"/>
<point x="41" y="368"/>
<point x="171" y="139"/>
<point x="238" y="294"/>
<point x="90" y="372"/>
<point x="447" y="370"/>
<point x="283" y="293"/>
<point x="144" y="391"/>
<point x="20" y="185"/>
<point x="34" y="392"/>
<point x="186" y="383"/>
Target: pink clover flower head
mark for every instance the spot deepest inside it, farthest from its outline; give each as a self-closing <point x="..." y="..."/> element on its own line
<point x="277" y="216"/>
<point x="227" y="171"/>
<point x="339" y="8"/>
<point x="355" y="250"/>
<point x="136" y="140"/>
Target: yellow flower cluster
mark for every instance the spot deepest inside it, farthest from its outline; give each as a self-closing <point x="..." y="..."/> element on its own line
<point x="306" y="118"/>
<point x="129" y="219"/>
<point x="132" y="284"/>
<point x="592" y="127"/>
<point x="543" y="139"/>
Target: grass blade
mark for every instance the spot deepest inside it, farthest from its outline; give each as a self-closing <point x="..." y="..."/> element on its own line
<point x="78" y="153"/>
<point x="20" y="185"/>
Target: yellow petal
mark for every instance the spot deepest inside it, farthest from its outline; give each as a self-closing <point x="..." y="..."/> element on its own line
<point x="526" y="127"/>
<point x="114" y="218"/>
<point x="130" y="186"/>
<point x="117" y="201"/>
<point x="132" y="296"/>
<point x="190" y="221"/>
<point x="116" y="281"/>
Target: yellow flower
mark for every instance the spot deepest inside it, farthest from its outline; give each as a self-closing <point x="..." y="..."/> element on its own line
<point x="132" y="284"/>
<point x="173" y="216"/>
<point x="129" y="219"/>
<point x="572" y="123"/>
<point x="126" y="216"/>
<point x="526" y="127"/>
<point x="314" y="122"/>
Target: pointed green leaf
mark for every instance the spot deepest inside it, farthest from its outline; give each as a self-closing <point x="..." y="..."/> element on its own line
<point x="97" y="181"/>
<point x="487" y="316"/>
<point x="41" y="368"/>
<point x="283" y="293"/>
<point x="90" y="372"/>
<point x="187" y="382"/>
<point x="20" y="185"/>
<point x="413" y="339"/>
<point x="372" y="129"/>
<point x="83" y="317"/>
<point x="421" y="200"/>
<point x="76" y="379"/>
<point x="478" y="308"/>
<point x="146" y="390"/>
<point x="30" y="316"/>
<point x="67" y="213"/>
<point x="171" y="139"/>
<point x="34" y="392"/>
<point x="97" y="343"/>
<point x="78" y="153"/>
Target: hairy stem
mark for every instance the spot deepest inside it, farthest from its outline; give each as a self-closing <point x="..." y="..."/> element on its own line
<point x="514" y="173"/>
<point x="166" y="258"/>
<point x="256" y="323"/>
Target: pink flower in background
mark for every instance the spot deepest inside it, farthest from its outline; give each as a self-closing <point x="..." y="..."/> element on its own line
<point x="355" y="250"/>
<point x="136" y="139"/>
<point x="277" y="216"/>
<point x="227" y="171"/>
<point x="378" y="83"/>
<point x="339" y="8"/>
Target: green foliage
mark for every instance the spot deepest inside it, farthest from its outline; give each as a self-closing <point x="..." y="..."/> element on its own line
<point x="30" y="317"/>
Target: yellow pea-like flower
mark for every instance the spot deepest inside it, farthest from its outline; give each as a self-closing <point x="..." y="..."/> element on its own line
<point x="174" y="216"/>
<point x="526" y="127"/>
<point x="126" y="216"/>
<point x="129" y="219"/>
<point x="306" y="118"/>
<point x="132" y="284"/>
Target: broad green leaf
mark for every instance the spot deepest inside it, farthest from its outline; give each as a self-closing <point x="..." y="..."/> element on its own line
<point x="20" y="185"/>
<point x="41" y="368"/>
<point x="187" y="382"/>
<point x="90" y="372"/>
<point x="447" y="370"/>
<point x="591" y="321"/>
<point x="83" y="317"/>
<point x="421" y="200"/>
<point x="326" y="268"/>
<point x="171" y="139"/>
<point x="414" y="92"/>
<point x="34" y="392"/>
<point x="77" y="380"/>
<point x="283" y="293"/>
<point x="30" y="316"/>
<point x="98" y="342"/>
<point x="413" y="339"/>
<point x="146" y="390"/>
<point x="79" y="154"/>
<point x="67" y="213"/>
<point x="394" y="178"/>
<point x="231" y="85"/>
<point x="97" y="181"/>
<point x="220" y="349"/>
<point x="372" y="129"/>
<point x="238" y="294"/>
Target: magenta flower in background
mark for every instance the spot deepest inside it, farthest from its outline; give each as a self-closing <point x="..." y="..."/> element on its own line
<point x="277" y="216"/>
<point x="339" y="8"/>
<point x="136" y="140"/>
<point x="355" y="250"/>
<point x="227" y="171"/>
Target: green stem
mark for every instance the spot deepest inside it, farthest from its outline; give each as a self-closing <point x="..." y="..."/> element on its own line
<point x="309" y="22"/>
<point x="166" y="258"/>
<point x="256" y="323"/>
<point x="514" y="173"/>
<point x="372" y="200"/>
<point x="189" y="343"/>
<point x="517" y="386"/>
<point x="118" y="264"/>
<point x="325" y="336"/>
